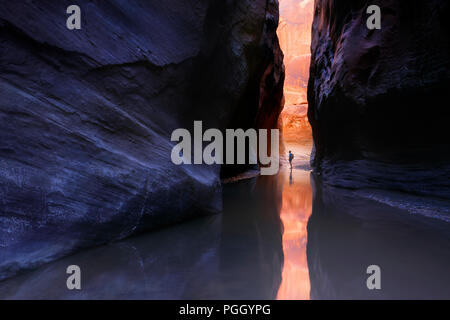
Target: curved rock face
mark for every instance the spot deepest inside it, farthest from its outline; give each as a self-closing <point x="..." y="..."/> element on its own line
<point x="193" y="260"/>
<point x="87" y="115"/>
<point x="377" y="98"/>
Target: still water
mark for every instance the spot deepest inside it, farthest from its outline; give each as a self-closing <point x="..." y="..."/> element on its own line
<point x="279" y="237"/>
<point x="295" y="211"/>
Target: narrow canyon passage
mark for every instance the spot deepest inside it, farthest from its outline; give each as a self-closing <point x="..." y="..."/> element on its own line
<point x="278" y="237"/>
<point x="256" y="249"/>
<point x="294" y="33"/>
<point x="287" y="236"/>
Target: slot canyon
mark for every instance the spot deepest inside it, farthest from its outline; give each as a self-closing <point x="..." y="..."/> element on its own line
<point x="86" y="176"/>
<point x="294" y="34"/>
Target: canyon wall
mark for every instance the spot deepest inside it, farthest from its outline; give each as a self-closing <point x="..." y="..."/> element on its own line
<point x="87" y="115"/>
<point x="294" y="33"/>
<point x="377" y="98"/>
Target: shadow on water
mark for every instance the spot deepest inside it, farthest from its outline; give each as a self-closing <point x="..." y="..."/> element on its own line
<point x="244" y="253"/>
<point x="346" y="234"/>
<point x="236" y="255"/>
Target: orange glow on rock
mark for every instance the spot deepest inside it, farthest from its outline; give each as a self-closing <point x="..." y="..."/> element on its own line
<point x="294" y="33"/>
<point x="296" y="127"/>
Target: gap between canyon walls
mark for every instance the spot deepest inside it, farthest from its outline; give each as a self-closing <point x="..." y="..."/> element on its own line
<point x="294" y="33"/>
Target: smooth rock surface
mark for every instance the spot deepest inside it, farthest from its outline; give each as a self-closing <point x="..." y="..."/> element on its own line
<point x="87" y="115"/>
<point x="378" y="98"/>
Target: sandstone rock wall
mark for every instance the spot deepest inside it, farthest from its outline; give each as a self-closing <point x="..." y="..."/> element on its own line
<point x="378" y="98"/>
<point x="87" y="115"/>
<point x="294" y="33"/>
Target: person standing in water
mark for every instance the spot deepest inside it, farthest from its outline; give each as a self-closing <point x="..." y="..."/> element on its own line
<point x="291" y="157"/>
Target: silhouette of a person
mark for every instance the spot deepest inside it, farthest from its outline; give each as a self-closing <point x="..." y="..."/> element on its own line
<point x="291" y="157"/>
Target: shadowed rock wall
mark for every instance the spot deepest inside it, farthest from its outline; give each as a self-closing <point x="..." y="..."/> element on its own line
<point x="87" y="115"/>
<point x="378" y="98"/>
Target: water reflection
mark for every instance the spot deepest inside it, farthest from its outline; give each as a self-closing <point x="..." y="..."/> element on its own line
<point x="295" y="212"/>
<point x="244" y="253"/>
<point x="347" y="233"/>
<point x="236" y="255"/>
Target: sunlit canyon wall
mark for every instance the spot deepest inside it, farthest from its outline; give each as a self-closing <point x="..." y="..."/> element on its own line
<point x="87" y="115"/>
<point x="378" y="98"/>
<point x="294" y="33"/>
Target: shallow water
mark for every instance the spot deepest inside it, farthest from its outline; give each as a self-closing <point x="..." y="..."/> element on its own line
<point x="235" y="255"/>
<point x="295" y="211"/>
<point x="280" y="237"/>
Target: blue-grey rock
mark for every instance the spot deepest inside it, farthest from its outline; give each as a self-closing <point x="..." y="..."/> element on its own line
<point x="87" y="115"/>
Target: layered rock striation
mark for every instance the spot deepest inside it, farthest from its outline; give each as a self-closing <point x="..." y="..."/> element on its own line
<point x="87" y="115"/>
<point x="378" y="98"/>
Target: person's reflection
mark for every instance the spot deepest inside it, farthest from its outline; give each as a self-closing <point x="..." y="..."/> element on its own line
<point x="291" y="181"/>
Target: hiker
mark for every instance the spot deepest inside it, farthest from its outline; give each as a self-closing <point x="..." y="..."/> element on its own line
<point x="291" y="157"/>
